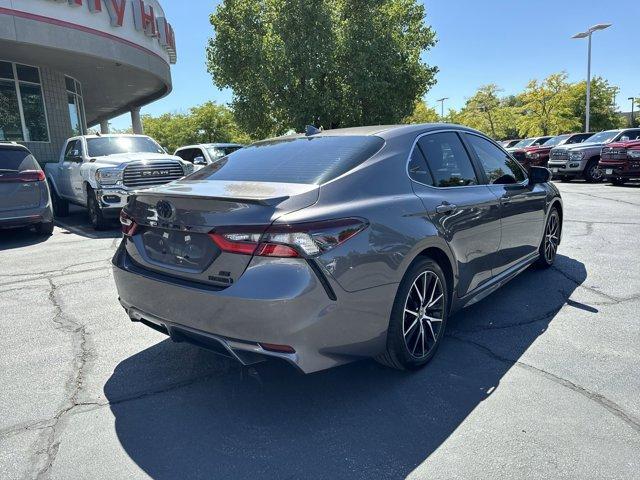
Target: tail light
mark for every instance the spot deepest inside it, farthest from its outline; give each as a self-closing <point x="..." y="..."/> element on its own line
<point x="23" y="176"/>
<point x="129" y="226"/>
<point x="290" y="240"/>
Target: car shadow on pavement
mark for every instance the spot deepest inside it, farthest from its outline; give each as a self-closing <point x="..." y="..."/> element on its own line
<point x="180" y="412"/>
<point x="77" y="222"/>
<point x="20" y="237"/>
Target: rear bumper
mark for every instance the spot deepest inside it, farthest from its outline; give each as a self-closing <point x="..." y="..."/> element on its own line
<point x="276" y="301"/>
<point x="23" y="218"/>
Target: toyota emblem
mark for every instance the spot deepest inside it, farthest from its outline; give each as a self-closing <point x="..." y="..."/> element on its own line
<point x="165" y="209"/>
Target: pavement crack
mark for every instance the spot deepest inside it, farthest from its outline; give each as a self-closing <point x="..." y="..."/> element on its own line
<point x="47" y="444"/>
<point x="597" y="398"/>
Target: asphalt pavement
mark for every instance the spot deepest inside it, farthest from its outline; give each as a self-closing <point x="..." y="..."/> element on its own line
<point x="539" y="380"/>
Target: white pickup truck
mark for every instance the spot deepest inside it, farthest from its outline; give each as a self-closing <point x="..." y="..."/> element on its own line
<point x="100" y="172"/>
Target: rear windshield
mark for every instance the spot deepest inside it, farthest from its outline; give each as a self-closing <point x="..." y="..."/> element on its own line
<point x="294" y="160"/>
<point x="14" y="159"/>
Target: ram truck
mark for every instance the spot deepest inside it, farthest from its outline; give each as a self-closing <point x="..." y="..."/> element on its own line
<point x="620" y="161"/>
<point x="100" y="172"/>
<point x="581" y="160"/>
<point x="538" y="156"/>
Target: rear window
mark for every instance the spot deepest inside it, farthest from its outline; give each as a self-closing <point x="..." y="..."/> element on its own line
<point x="17" y="159"/>
<point x="311" y="160"/>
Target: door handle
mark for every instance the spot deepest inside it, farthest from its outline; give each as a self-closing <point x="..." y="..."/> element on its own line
<point x="446" y="208"/>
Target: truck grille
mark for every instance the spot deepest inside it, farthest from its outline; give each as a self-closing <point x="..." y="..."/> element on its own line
<point x="148" y="174"/>
<point x="559" y="155"/>
<point x="609" y="153"/>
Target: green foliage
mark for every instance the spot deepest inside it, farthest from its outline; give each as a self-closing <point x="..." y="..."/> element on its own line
<point x="422" y="113"/>
<point x="603" y="105"/>
<point x="205" y="123"/>
<point x="487" y="112"/>
<point x="334" y="63"/>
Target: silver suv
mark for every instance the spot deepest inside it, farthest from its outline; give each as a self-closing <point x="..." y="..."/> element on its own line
<point x="581" y="160"/>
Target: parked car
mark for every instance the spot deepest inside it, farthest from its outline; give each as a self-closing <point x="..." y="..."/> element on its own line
<point x="620" y="161"/>
<point x="24" y="195"/>
<point x="519" y="150"/>
<point x="574" y="161"/>
<point x="100" y="172"/>
<point x="510" y="143"/>
<point x="206" y="153"/>
<point x="539" y="155"/>
<point x="323" y="248"/>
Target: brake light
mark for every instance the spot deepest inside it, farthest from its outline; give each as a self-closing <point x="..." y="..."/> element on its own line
<point x="129" y="226"/>
<point x="23" y="176"/>
<point x="288" y="240"/>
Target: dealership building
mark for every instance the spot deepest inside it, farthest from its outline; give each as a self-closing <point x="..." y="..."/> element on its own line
<point x="66" y="65"/>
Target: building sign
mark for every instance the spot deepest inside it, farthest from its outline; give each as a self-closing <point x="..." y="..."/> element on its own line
<point x="139" y="12"/>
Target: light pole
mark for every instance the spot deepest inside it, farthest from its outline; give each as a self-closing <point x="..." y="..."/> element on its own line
<point x="587" y="34"/>
<point x="441" y="100"/>
<point x="633" y="101"/>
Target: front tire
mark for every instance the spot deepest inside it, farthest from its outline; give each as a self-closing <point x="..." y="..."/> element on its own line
<point x="95" y="212"/>
<point x="592" y="173"/>
<point x="550" y="240"/>
<point x="418" y="318"/>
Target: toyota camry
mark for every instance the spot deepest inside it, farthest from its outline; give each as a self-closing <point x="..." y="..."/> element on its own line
<point x="326" y="247"/>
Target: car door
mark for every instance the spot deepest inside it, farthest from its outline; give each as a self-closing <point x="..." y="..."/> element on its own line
<point x="458" y="202"/>
<point x="66" y="166"/>
<point x="522" y="206"/>
<point x="77" y="182"/>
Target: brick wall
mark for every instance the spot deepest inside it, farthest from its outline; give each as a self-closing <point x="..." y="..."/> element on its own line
<point x="55" y="100"/>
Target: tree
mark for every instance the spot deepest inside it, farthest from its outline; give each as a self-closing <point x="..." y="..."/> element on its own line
<point x="205" y="123"/>
<point x="334" y="63"/>
<point x="603" y="109"/>
<point x="546" y="108"/>
<point x="487" y="112"/>
<point x="422" y="113"/>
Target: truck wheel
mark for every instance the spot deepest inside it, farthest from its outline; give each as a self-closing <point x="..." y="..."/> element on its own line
<point x="60" y="205"/>
<point x="95" y="212"/>
<point x="592" y="173"/>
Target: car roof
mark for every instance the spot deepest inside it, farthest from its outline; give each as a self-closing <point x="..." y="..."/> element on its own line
<point x="109" y="135"/>
<point x="14" y="146"/>
<point x="200" y="145"/>
<point x="384" y="131"/>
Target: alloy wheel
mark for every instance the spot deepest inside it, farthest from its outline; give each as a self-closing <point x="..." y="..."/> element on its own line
<point x="423" y="314"/>
<point x="595" y="173"/>
<point x="551" y="238"/>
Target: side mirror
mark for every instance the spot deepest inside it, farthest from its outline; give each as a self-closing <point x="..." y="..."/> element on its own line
<point x="199" y="161"/>
<point x="539" y="175"/>
<point x="624" y="138"/>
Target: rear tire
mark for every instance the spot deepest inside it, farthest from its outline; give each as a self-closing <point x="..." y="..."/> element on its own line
<point x="592" y="173"/>
<point x="45" y="229"/>
<point x="550" y="240"/>
<point x="95" y="212"/>
<point x="60" y="205"/>
<point x="418" y="318"/>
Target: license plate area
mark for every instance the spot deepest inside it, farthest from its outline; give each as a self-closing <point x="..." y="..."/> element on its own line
<point x="609" y="171"/>
<point x="188" y="251"/>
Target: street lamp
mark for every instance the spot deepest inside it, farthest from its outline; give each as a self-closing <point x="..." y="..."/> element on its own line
<point x="587" y="34"/>
<point x="441" y="100"/>
<point x="633" y="101"/>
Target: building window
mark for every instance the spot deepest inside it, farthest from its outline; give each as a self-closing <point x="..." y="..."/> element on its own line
<point x="76" y="106"/>
<point x="22" y="112"/>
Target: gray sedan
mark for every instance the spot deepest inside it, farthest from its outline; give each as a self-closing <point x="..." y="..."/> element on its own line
<point x="323" y="248"/>
<point x="24" y="193"/>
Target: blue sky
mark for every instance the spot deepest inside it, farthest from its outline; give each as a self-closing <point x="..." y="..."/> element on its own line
<point x="507" y="42"/>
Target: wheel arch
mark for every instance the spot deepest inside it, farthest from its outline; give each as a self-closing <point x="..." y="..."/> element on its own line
<point x="445" y="262"/>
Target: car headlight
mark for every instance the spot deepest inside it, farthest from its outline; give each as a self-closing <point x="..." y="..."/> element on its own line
<point x="576" y="155"/>
<point x="533" y="156"/>
<point x="109" y="176"/>
<point x="634" y="153"/>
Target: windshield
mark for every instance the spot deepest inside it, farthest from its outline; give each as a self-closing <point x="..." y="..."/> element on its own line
<point x="310" y="160"/>
<point x="218" y="152"/>
<point x="103" y="146"/>
<point x="552" y="142"/>
<point x="602" y="137"/>
<point x="524" y="143"/>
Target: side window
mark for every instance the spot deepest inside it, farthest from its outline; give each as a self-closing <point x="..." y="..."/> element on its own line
<point x="540" y="141"/>
<point x="72" y="149"/>
<point x="186" y="154"/>
<point x="197" y="153"/>
<point x="418" y="169"/>
<point x="448" y="161"/>
<point x="497" y="164"/>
